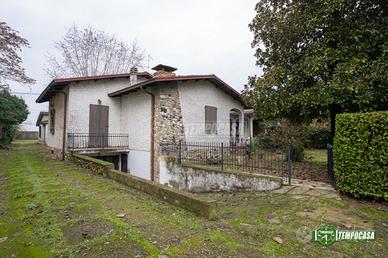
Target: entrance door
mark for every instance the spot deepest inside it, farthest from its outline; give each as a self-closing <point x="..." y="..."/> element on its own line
<point x="98" y="126"/>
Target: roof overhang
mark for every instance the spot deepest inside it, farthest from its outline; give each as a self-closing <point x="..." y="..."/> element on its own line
<point x="40" y="117"/>
<point x="57" y="85"/>
<point x="151" y="82"/>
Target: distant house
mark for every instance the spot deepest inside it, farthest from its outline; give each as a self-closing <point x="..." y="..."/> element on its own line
<point x="123" y="118"/>
<point x="41" y="123"/>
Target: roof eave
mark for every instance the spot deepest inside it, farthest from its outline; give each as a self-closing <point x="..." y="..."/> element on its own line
<point x="61" y="82"/>
<point x="212" y="78"/>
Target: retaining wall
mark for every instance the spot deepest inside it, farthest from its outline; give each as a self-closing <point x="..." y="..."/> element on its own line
<point x="205" y="208"/>
<point x="197" y="178"/>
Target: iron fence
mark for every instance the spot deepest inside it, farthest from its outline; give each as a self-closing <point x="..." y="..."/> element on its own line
<point x="87" y="141"/>
<point x="229" y="156"/>
<point x="247" y="157"/>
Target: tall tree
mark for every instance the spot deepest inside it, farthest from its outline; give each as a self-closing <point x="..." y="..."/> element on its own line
<point x="87" y="52"/>
<point x="10" y="62"/>
<point x="319" y="57"/>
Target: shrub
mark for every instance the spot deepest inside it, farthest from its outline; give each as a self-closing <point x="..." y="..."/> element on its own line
<point x="13" y="111"/>
<point x="279" y="134"/>
<point x="263" y="141"/>
<point x="297" y="151"/>
<point x="317" y="137"/>
<point x="7" y="135"/>
<point x="360" y="154"/>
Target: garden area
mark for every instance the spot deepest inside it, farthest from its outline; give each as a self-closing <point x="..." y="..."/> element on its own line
<point x="280" y="147"/>
<point x="53" y="208"/>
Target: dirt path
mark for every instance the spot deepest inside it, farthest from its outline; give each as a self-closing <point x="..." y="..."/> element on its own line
<point x="50" y="208"/>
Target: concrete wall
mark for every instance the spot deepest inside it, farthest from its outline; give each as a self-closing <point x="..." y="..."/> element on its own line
<point x="27" y="135"/>
<point x="194" y="95"/>
<point x="200" y="179"/>
<point x="136" y="121"/>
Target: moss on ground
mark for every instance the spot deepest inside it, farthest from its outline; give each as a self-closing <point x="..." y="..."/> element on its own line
<point x="50" y="208"/>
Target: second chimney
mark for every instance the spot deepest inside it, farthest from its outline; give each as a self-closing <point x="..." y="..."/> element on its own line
<point x="133" y="75"/>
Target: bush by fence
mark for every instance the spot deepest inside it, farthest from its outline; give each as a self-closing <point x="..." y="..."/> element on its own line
<point x="360" y="154"/>
<point x="316" y="137"/>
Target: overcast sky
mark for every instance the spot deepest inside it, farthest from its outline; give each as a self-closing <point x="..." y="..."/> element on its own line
<point x="197" y="37"/>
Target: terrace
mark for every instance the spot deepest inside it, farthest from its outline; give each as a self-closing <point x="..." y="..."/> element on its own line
<point x="90" y="142"/>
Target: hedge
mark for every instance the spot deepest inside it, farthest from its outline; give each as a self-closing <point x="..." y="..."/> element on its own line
<point x="361" y="154"/>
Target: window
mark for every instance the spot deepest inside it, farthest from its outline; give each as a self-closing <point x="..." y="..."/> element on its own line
<point x="52" y="117"/>
<point x="210" y="120"/>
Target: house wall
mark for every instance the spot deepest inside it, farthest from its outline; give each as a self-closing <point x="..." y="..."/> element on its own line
<point x="43" y="129"/>
<point x="136" y="121"/>
<point x="54" y="140"/>
<point x="194" y="95"/>
<point x="43" y="133"/>
<point x="82" y="94"/>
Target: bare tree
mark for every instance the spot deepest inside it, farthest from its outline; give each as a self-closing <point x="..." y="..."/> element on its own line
<point x="10" y="61"/>
<point x="87" y="52"/>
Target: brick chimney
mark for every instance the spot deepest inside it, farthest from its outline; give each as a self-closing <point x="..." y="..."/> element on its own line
<point x="133" y="75"/>
<point x="164" y="71"/>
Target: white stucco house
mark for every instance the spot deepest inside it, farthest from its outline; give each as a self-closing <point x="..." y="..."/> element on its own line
<point x="41" y="123"/>
<point x="123" y="118"/>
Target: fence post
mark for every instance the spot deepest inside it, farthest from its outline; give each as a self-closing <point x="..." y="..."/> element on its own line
<point x="222" y="156"/>
<point x="289" y="163"/>
<point x="180" y="152"/>
<point x="330" y="164"/>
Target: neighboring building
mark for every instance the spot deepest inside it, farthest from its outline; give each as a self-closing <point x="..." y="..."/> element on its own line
<point x="41" y="123"/>
<point x="123" y="118"/>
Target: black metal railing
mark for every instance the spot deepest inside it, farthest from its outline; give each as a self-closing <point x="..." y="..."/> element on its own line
<point x="96" y="141"/>
<point x="229" y="156"/>
<point x="247" y="157"/>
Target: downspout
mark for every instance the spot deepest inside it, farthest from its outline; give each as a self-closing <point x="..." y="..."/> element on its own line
<point x="64" y="124"/>
<point x="152" y="131"/>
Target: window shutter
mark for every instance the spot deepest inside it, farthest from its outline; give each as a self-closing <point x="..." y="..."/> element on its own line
<point x="210" y="120"/>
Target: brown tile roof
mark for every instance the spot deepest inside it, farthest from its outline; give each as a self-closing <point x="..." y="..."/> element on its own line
<point x="58" y="84"/>
<point x="211" y="78"/>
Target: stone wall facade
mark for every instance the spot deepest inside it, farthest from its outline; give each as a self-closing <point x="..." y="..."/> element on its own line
<point x="168" y="114"/>
<point x="168" y="125"/>
<point x="55" y="152"/>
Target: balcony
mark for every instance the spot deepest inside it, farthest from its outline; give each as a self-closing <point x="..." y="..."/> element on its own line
<point x="86" y="141"/>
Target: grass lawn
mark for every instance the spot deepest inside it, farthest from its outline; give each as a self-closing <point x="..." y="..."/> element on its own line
<point x="51" y="208"/>
<point x="318" y="156"/>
